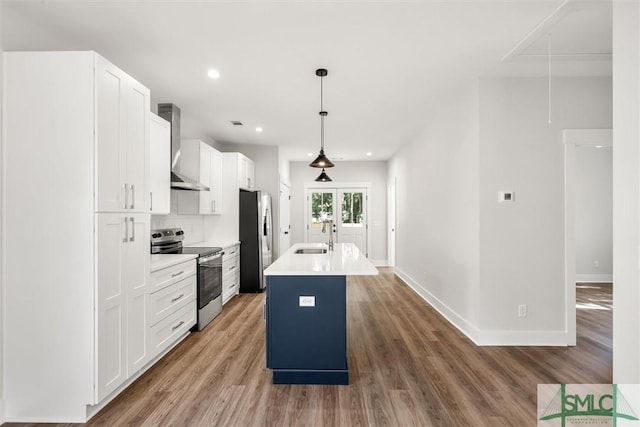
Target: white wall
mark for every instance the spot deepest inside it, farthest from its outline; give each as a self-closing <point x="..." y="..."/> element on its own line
<point x="437" y="233"/>
<point x="626" y="192"/>
<point x="374" y="172"/>
<point x="594" y="214"/>
<point x="522" y="243"/>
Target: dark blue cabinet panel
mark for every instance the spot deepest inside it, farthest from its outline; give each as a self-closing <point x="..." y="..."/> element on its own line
<point x="307" y="344"/>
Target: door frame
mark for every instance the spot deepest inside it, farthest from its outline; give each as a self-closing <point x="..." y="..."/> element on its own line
<point x="337" y="185"/>
<point x="573" y="138"/>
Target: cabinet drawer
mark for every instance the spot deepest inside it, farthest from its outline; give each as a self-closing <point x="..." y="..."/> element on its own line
<point x="231" y="252"/>
<point x="169" y="299"/>
<point x="230" y="265"/>
<point x="230" y="286"/>
<point x="163" y="278"/>
<point x="172" y="327"/>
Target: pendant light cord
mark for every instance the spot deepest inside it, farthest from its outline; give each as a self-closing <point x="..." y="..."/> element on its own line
<point x="321" y="115"/>
<point x="549" y="74"/>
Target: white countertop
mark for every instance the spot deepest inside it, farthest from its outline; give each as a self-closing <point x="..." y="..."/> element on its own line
<point x="345" y="260"/>
<point x="160" y="261"/>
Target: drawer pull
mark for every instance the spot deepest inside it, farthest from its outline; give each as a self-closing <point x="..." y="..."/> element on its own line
<point x="232" y="267"/>
<point x="178" y="325"/>
<point x="231" y="253"/>
<point x="177" y="274"/>
<point x="177" y="298"/>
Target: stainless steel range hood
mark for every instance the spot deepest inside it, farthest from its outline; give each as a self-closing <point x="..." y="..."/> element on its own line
<point x="171" y="113"/>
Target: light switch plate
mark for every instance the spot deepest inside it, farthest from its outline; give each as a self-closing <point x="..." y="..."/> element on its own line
<point x="306" y="301"/>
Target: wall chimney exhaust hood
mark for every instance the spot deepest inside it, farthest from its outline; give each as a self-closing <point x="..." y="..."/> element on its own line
<point x="171" y="113"/>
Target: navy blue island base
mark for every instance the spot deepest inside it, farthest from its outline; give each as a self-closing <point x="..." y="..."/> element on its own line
<point x="306" y="327"/>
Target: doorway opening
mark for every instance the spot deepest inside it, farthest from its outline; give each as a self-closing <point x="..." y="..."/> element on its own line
<point x="588" y="234"/>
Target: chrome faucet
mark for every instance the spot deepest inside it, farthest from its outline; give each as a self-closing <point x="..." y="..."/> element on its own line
<point x="324" y="230"/>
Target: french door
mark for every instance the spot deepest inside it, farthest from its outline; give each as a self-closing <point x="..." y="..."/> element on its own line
<point x="341" y="211"/>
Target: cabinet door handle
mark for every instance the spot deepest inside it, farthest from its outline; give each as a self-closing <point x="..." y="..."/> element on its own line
<point x="133" y="230"/>
<point x="232" y="267"/>
<point x="126" y="194"/>
<point x="212" y="209"/>
<point x="151" y="201"/>
<point x="177" y="298"/>
<point x="126" y="230"/>
<point x="133" y="196"/>
<point x="214" y="205"/>
<point x="178" y="325"/>
<point x="177" y="274"/>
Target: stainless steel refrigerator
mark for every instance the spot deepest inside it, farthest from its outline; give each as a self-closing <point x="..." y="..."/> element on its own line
<point x="256" y="248"/>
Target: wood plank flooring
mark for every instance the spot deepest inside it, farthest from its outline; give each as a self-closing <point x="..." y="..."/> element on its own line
<point x="409" y="367"/>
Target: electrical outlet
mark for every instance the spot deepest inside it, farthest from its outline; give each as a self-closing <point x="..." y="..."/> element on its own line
<point x="306" y="301"/>
<point x="522" y="310"/>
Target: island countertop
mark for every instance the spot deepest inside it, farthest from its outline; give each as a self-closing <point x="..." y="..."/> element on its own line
<point x="345" y="260"/>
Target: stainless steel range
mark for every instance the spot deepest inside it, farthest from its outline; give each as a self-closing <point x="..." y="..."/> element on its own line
<point x="169" y="241"/>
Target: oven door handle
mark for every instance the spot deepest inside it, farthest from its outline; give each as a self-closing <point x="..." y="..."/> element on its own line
<point x="209" y="258"/>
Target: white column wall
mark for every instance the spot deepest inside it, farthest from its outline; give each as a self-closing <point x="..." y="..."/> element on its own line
<point x="522" y="242"/>
<point x="626" y="192"/>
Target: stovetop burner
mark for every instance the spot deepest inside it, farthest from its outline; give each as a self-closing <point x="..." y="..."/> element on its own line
<point x="169" y="241"/>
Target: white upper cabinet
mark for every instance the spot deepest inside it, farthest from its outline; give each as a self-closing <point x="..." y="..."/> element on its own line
<point x="246" y="172"/>
<point x="203" y="163"/>
<point x="160" y="167"/>
<point x="122" y="131"/>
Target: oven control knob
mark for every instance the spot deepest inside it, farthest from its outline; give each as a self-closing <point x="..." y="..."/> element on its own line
<point x="156" y="235"/>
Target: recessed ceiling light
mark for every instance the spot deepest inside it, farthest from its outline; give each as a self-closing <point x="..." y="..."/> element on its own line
<point x="213" y="73"/>
<point x="309" y="154"/>
<point x="599" y="146"/>
<point x="369" y="153"/>
<point x="258" y="129"/>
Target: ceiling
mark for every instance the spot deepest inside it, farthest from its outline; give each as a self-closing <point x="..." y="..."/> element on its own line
<point x="390" y="63"/>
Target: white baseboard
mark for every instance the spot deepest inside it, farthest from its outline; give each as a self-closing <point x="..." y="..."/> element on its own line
<point x="486" y="337"/>
<point x="379" y="262"/>
<point x="456" y="320"/>
<point x="594" y="278"/>
<point x="2" y="420"/>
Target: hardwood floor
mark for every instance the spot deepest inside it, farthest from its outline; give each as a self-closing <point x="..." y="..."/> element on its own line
<point x="409" y="367"/>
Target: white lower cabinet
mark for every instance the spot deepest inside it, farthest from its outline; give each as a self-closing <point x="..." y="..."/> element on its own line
<point x="172" y="304"/>
<point x="230" y="272"/>
<point x="122" y="280"/>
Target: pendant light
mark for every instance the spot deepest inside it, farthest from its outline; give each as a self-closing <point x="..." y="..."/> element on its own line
<point x="322" y="161"/>
<point x="323" y="177"/>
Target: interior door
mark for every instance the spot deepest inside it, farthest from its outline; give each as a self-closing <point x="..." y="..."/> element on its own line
<point x="284" y="220"/>
<point x="320" y="209"/>
<point x="351" y="224"/>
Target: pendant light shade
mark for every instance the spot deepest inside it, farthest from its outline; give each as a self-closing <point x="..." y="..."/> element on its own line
<point x="322" y="161"/>
<point x="323" y="177"/>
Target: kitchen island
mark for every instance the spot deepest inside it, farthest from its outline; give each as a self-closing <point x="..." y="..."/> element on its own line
<point x="306" y="312"/>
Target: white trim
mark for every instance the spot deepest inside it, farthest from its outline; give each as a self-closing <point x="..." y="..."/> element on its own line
<point x="486" y="337"/>
<point x="379" y="262"/>
<point x="456" y="320"/>
<point x="546" y="27"/>
<point x="594" y="278"/>
<point x="573" y="138"/>
<point x="523" y="338"/>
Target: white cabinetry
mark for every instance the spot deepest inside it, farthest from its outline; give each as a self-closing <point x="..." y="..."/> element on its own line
<point x="203" y="163"/>
<point x="242" y="170"/>
<point x="122" y="136"/>
<point x="246" y="173"/>
<point x="230" y="272"/>
<point x="123" y="266"/>
<point x="173" y="304"/>
<point x="76" y="132"/>
<point x="160" y="165"/>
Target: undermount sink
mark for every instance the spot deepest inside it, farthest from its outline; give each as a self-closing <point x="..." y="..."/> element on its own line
<point x="311" y="251"/>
